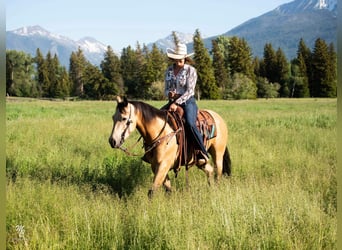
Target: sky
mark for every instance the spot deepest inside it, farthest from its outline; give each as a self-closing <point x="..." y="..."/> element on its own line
<point x="126" y="22"/>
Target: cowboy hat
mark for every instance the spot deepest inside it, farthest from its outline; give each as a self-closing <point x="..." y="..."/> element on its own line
<point x="180" y="52"/>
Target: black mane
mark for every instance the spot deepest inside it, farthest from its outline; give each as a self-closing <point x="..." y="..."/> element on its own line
<point x="148" y="111"/>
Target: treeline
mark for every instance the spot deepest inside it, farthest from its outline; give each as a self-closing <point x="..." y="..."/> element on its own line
<point x="228" y="71"/>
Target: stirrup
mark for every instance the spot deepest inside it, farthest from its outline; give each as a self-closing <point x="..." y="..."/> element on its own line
<point x="202" y="159"/>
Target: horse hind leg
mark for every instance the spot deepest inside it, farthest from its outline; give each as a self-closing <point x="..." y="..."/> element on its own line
<point x="222" y="164"/>
<point x="208" y="170"/>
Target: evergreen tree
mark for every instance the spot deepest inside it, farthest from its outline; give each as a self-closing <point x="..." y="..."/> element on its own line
<point x="281" y="73"/>
<point x="127" y="70"/>
<point x="239" y="57"/>
<point x="220" y="71"/>
<point x="300" y="71"/>
<point x="47" y="85"/>
<point x="297" y="83"/>
<point x="269" y="63"/>
<point x="206" y="79"/>
<point x="154" y="70"/>
<point x="20" y="74"/>
<point x="223" y="45"/>
<point x="63" y="87"/>
<point x="146" y="74"/>
<point x="332" y="71"/>
<point x="76" y="71"/>
<point x="96" y="85"/>
<point x="132" y="66"/>
<point x="111" y="68"/>
<point x="138" y="73"/>
<point x="304" y="60"/>
<point x="42" y="72"/>
<point x="256" y="64"/>
<point x="323" y="82"/>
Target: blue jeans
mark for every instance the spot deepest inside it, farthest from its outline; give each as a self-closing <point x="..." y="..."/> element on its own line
<point x="190" y="115"/>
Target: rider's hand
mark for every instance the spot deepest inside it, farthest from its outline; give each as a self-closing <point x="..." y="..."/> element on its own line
<point x="171" y="94"/>
<point x="173" y="107"/>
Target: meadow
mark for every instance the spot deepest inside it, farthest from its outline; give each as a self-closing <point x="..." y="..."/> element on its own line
<point x="68" y="189"/>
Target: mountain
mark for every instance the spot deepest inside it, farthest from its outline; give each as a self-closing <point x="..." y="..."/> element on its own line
<point x="167" y="42"/>
<point x="284" y="26"/>
<point x="28" y="39"/>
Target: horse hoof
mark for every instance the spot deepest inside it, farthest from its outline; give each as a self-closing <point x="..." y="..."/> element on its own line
<point x="150" y="193"/>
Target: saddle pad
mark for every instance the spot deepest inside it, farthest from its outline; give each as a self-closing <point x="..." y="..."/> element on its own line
<point x="206" y="124"/>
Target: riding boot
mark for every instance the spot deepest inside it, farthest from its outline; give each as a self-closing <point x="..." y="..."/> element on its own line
<point x="202" y="158"/>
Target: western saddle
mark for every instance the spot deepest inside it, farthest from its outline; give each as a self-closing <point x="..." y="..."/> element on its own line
<point x="187" y="150"/>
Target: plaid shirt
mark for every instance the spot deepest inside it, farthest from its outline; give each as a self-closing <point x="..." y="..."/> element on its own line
<point x="183" y="83"/>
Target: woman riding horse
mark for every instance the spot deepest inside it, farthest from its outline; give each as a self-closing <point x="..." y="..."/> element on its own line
<point x="161" y="147"/>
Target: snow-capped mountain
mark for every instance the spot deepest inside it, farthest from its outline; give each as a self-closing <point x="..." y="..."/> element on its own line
<point x="308" y="5"/>
<point x="167" y="42"/>
<point x="284" y="26"/>
<point x="29" y="38"/>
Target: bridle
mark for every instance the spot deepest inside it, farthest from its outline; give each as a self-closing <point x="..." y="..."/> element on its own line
<point x="129" y="121"/>
<point x="154" y="143"/>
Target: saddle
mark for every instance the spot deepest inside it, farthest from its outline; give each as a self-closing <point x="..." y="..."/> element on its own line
<point x="187" y="149"/>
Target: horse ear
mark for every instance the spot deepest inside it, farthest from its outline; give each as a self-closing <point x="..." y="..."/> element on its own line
<point x="125" y="100"/>
<point x="122" y="100"/>
<point x="119" y="99"/>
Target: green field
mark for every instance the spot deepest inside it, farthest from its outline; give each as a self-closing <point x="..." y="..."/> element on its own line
<point x="67" y="189"/>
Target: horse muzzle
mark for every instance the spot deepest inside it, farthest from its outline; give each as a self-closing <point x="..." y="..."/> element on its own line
<point x="113" y="143"/>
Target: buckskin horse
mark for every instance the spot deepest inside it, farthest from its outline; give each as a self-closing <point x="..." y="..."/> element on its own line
<point x="165" y="142"/>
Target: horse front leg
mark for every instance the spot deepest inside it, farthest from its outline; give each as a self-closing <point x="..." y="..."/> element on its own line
<point x="160" y="178"/>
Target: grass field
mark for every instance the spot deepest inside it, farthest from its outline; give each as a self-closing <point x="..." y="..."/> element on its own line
<point x="67" y="189"/>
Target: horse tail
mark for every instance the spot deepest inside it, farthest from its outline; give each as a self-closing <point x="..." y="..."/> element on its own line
<point x="227" y="164"/>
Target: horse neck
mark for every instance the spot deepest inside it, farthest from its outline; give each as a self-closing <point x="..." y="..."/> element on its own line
<point x="152" y="129"/>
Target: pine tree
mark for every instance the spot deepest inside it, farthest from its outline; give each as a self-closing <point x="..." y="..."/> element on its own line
<point x="332" y="71"/>
<point x="111" y="68"/>
<point x="96" y="86"/>
<point x="304" y="59"/>
<point x="206" y="79"/>
<point x="153" y="72"/>
<point x="223" y="44"/>
<point x="63" y="86"/>
<point x="323" y="82"/>
<point x="300" y="71"/>
<point x="281" y="73"/>
<point x="42" y="71"/>
<point x="220" y="71"/>
<point x="47" y="87"/>
<point x="76" y="71"/>
<point x="239" y="58"/>
<point x="19" y="74"/>
<point x="127" y="70"/>
<point x="269" y="63"/>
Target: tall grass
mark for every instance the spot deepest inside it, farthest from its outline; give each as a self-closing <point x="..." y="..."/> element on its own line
<point x="67" y="189"/>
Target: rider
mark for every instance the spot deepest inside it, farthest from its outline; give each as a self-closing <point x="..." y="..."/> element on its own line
<point x="180" y="83"/>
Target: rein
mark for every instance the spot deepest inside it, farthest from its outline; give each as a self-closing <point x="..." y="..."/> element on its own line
<point x="154" y="143"/>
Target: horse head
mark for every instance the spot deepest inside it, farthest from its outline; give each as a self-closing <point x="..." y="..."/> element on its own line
<point x="123" y="122"/>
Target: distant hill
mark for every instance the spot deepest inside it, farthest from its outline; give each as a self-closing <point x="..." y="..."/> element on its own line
<point x="167" y="42"/>
<point x="284" y="26"/>
<point x="28" y="39"/>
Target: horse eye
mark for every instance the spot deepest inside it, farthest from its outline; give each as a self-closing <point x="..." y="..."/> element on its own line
<point x="124" y="118"/>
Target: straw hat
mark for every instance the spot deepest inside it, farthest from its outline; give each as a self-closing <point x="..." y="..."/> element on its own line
<point x="180" y="52"/>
